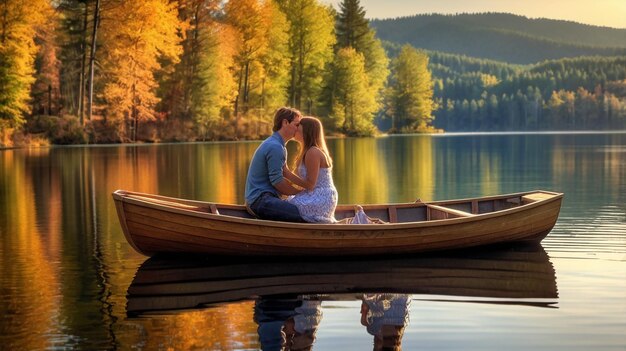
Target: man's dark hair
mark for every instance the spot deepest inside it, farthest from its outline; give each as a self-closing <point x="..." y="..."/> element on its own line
<point x="287" y="113"/>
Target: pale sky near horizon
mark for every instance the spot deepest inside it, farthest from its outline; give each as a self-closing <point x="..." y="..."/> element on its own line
<point x="609" y="13"/>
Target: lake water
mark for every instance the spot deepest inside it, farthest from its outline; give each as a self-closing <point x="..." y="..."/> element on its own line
<point x="66" y="271"/>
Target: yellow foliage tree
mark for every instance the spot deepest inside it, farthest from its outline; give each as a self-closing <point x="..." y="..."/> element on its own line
<point x="213" y="85"/>
<point x="135" y="36"/>
<point x="311" y="40"/>
<point x="260" y="53"/>
<point x="19" y="22"/>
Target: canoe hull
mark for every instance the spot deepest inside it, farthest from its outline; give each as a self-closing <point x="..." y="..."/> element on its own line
<point x="152" y="228"/>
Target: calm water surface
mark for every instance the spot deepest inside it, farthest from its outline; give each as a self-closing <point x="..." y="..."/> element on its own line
<point x="66" y="271"/>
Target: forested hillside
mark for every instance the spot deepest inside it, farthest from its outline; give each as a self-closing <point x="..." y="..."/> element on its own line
<point x="566" y="94"/>
<point x="502" y="37"/>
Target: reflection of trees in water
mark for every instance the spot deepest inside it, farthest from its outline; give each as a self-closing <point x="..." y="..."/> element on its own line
<point x="359" y="171"/>
<point x="31" y="299"/>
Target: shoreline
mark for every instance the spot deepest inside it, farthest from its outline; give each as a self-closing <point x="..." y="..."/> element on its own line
<point x="382" y="135"/>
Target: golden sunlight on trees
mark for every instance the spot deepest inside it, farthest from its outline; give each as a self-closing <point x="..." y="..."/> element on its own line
<point x="201" y="85"/>
<point x="20" y="23"/>
<point x="196" y="70"/>
<point x="253" y="23"/>
<point x="411" y="91"/>
<point x="267" y="90"/>
<point x="354" y="32"/>
<point x="135" y="36"/>
<point x="311" y="40"/>
<point x="352" y="102"/>
<point x="45" y="91"/>
<point x="214" y="86"/>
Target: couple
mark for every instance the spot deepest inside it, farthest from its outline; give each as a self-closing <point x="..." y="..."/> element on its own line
<point x="312" y="196"/>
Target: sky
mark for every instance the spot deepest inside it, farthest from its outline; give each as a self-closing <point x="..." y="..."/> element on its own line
<point x="609" y="13"/>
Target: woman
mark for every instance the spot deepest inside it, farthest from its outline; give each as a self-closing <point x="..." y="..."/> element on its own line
<point x="318" y="201"/>
<point x="385" y="316"/>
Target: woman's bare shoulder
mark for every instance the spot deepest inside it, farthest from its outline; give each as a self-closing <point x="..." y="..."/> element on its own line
<point x="315" y="153"/>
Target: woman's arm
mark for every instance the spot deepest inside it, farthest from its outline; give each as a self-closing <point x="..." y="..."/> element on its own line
<point x="312" y="162"/>
<point x="292" y="177"/>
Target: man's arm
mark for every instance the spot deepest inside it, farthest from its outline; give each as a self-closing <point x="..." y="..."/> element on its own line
<point x="294" y="178"/>
<point x="286" y="188"/>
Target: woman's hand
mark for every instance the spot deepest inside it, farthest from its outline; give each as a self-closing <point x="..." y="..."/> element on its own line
<point x="293" y="178"/>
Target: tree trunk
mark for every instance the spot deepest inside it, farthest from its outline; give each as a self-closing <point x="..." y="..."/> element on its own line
<point x="293" y="84"/>
<point x="81" y="84"/>
<point x="96" y="18"/>
<point x="237" y="104"/>
<point x="246" y="88"/>
<point x="49" y="100"/>
<point x="3" y="36"/>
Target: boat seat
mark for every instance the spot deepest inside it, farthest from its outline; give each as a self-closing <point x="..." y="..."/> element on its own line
<point x="447" y="211"/>
<point x="533" y="197"/>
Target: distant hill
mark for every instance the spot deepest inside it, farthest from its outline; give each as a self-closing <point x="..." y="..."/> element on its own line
<point x="503" y="37"/>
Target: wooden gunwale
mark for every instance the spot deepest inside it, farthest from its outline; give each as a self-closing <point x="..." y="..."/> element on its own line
<point x="387" y="227"/>
<point x="199" y="230"/>
<point x="347" y="227"/>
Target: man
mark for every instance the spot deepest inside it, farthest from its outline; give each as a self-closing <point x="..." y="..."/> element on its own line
<point x="265" y="182"/>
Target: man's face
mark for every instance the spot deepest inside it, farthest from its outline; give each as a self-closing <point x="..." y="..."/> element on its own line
<point x="292" y="127"/>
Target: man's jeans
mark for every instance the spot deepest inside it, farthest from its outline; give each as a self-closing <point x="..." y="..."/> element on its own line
<point x="268" y="206"/>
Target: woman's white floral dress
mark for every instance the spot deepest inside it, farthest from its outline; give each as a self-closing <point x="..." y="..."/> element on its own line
<point x="317" y="205"/>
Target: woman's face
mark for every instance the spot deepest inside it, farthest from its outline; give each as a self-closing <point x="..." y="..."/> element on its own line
<point x="299" y="138"/>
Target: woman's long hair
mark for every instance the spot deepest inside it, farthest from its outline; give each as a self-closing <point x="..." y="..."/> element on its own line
<point x="313" y="135"/>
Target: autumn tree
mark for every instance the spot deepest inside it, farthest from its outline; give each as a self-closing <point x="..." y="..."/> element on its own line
<point x="135" y="36"/>
<point x="354" y="36"/>
<point x="19" y="24"/>
<point x="201" y="85"/>
<point x="45" y="91"/>
<point x="352" y="103"/>
<point x="411" y="91"/>
<point x="259" y="28"/>
<point x="213" y="85"/>
<point x="311" y="40"/>
<point x="270" y="88"/>
<point x="72" y="38"/>
<point x="353" y="30"/>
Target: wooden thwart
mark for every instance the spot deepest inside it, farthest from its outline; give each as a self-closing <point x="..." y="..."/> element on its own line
<point x="455" y="213"/>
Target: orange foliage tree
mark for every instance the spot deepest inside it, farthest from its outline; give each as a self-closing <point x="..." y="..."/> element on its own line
<point x="201" y="86"/>
<point x="19" y="22"/>
<point x="136" y="36"/>
<point x="45" y="90"/>
<point x="260" y="32"/>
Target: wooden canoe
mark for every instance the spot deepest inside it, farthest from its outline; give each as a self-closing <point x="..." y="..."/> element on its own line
<point x="154" y="224"/>
<point x="516" y="275"/>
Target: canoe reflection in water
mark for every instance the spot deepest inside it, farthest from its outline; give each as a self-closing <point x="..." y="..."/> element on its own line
<point x="289" y="294"/>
